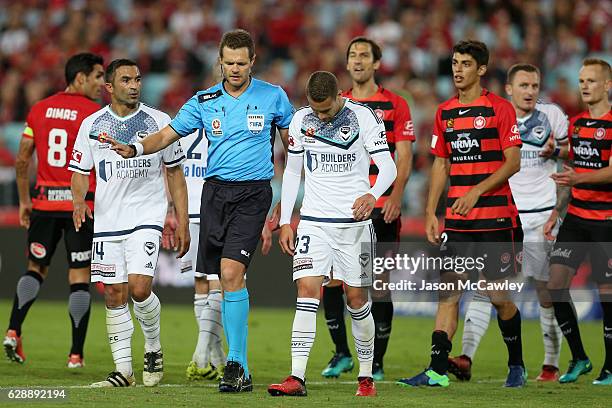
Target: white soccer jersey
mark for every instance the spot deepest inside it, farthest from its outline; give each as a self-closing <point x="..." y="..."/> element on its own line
<point x="336" y="160"/>
<point x="130" y="193"/>
<point x="532" y="187"/>
<point x="196" y="150"/>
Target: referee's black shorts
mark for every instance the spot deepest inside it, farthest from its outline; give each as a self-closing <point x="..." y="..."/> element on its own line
<point x="233" y="215"/>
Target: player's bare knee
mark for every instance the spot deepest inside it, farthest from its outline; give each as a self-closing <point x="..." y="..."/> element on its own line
<point x="506" y="309"/>
<point x="201" y="285"/>
<point x="114" y="295"/>
<point x="559" y="276"/>
<point x="308" y="288"/>
<point x="39" y="269"/>
<point x="78" y="275"/>
<point x="356" y="298"/>
<point x="543" y="294"/>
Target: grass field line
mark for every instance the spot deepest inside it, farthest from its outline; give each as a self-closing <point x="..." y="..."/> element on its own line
<point x="214" y="385"/>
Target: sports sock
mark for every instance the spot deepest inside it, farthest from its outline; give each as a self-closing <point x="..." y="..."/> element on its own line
<point x="199" y="355"/>
<point x="235" y="320"/>
<point x="303" y="334"/>
<point x="148" y="314"/>
<point x="606" y="307"/>
<point x="441" y="347"/>
<point x="333" y="304"/>
<point x="552" y="336"/>
<point x="120" y="328"/>
<point x="79" y="306"/>
<point x="362" y="325"/>
<point x="568" y="323"/>
<point x="213" y="313"/>
<point x="477" y="319"/>
<point x="382" y="312"/>
<point x="25" y="294"/>
<point x="511" y="332"/>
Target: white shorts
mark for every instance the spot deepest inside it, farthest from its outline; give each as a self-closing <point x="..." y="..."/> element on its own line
<point x="347" y="251"/>
<point x="113" y="261"/>
<point x="190" y="260"/>
<point x="536" y="248"/>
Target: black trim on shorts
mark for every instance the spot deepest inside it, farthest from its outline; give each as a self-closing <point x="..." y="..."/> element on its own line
<point x="217" y="180"/>
<point x="537" y="210"/>
<point x="128" y="231"/>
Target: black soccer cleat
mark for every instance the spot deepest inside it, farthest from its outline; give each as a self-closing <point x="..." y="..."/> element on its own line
<point x="233" y="378"/>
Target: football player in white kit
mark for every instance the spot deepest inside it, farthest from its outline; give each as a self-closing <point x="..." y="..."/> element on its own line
<point x="337" y="137"/>
<point x="543" y="129"/>
<point x="131" y="205"/>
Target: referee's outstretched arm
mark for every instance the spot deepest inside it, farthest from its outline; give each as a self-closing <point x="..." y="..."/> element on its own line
<point x="151" y="144"/>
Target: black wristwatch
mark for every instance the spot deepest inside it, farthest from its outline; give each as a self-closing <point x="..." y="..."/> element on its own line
<point x="131" y="146"/>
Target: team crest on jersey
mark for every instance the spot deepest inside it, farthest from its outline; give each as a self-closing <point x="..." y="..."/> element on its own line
<point x="539" y="133"/>
<point x="216" y="127"/>
<point x="600" y="133"/>
<point x="141" y="134"/>
<point x="255" y="123"/>
<point x="380" y="113"/>
<point x="450" y="125"/>
<point x="102" y="137"/>
<point x="345" y="132"/>
<point x="480" y="122"/>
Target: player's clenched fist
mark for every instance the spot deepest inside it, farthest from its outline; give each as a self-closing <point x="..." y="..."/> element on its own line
<point x="363" y="206"/>
<point x="182" y="239"/>
<point x="286" y="239"/>
<point x="431" y="229"/>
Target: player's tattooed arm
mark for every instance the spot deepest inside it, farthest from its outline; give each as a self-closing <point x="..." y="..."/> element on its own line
<point x="563" y="196"/>
<point x="178" y="190"/>
<point x="79" y="184"/>
<point x="22" y="163"/>
<point x="439" y="174"/>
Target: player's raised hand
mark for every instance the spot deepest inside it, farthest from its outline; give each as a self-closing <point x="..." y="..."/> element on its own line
<point x="567" y="177"/>
<point x="25" y="210"/>
<point x="79" y="212"/>
<point x="274" y="218"/>
<point x="182" y="239"/>
<point x="463" y="205"/>
<point x="286" y="239"/>
<point x="266" y="240"/>
<point x="123" y="150"/>
<point x="432" y="229"/>
<point x="363" y="206"/>
<point x="170" y="225"/>
<point x="391" y="209"/>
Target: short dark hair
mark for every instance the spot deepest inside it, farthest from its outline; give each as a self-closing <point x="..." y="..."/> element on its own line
<point x="376" y="52"/>
<point x="602" y="63"/>
<point x="478" y="50"/>
<point x="84" y="62"/>
<point x="520" y="67"/>
<point x="322" y="85"/>
<point x="237" y="39"/>
<point x="114" y="65"/>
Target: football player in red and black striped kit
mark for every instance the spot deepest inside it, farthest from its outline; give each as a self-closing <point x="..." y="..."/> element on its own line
<point x="587" y="227"/>
<point x="363" y="59"/>
<point x="475" y="141"/>
<point x="51" y="130"/>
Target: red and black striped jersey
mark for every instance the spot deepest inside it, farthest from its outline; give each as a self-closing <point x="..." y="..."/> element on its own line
<point x="590" y="148"/>
<point x="393" y="110"/>
<point x="473" y="136"/>
<point x="53" y="124"/>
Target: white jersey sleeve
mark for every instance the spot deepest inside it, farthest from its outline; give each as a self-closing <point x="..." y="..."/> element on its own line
<point x="558" y="121"/>
<point x="295" y="134"/>
<point x="82" y="159"/>
<point x="373" y="133"/>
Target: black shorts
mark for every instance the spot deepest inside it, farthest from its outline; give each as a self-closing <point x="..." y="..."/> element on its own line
<point x="45" y="231"/>
<point x="579" y="238"/>
<point x="233" y="215"/>
<point x="497" y="250"/>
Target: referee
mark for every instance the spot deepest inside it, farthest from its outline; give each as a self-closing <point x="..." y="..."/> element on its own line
<point x="240" y="116"/>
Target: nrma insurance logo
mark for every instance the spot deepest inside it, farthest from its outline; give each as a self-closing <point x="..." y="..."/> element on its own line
<point x="105" y="170"/>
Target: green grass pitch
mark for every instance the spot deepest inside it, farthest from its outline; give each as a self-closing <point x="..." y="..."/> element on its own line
<point x="46" y="342"/>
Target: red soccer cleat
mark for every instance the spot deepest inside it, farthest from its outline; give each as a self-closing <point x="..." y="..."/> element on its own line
<point x="13" y="348"/>
<point x="549" y="374"/>
<point x="291" y="386"/>
<point x="460" y="367"/>
<point x="366" y="387"/>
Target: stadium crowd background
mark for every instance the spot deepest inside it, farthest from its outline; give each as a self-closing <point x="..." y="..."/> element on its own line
<point x="175" y="44"/>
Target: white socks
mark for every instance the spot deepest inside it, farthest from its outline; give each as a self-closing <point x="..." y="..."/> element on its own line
<point x="363" y="333"/>
<point x="477" y="319"/>
<point x="200" y="355"/>
<point x="212" y="317"/>
<point x="120" y="328"/>
<point x="303" y="334"/>
<point x="148" y="314"/>
<point x="551" y="333"/>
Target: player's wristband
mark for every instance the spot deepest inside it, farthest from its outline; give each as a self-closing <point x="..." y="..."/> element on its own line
<point x="556" y="152"/>
<point x="137" y="148"/>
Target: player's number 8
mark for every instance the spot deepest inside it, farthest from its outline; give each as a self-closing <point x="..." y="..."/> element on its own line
<point x="58" y="141"/>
